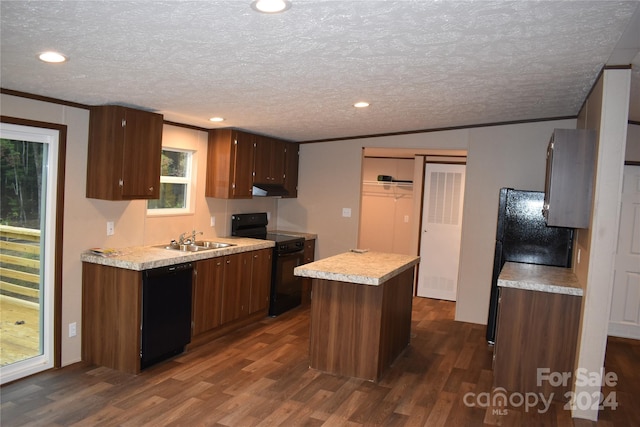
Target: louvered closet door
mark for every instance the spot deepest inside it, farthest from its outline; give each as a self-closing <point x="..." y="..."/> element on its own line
<point x="441" y="230"/>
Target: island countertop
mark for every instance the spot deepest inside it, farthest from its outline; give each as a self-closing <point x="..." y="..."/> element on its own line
<point x="543" y="278"/>
<point x="368" y="268"/>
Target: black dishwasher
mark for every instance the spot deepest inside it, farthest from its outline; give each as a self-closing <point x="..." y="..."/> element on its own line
<point x="166" y="312"/>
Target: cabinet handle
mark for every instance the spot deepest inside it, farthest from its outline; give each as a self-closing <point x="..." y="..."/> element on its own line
<point x="151" y="189"/>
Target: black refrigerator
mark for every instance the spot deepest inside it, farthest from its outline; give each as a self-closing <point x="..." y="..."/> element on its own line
<point x="522" y="235"/>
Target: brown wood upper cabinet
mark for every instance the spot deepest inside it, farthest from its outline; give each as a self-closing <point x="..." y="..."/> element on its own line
<point x="124" y="153"/>
<point x="230" y="164"/>
<point x="568" y="190"/>
<point x="269" y="161"/>
<point x="291" y="158"/>
<point x="237" y="159"/>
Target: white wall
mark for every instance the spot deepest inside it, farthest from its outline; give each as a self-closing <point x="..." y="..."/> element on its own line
<point x="632" y="152"/>
<point x="386" y="209"/>
<point x="606" y="111"/>
<point x="498" y="156"/>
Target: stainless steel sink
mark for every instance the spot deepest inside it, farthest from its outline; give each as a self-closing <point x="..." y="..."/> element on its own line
<point x="198" y="245"/>
<point x="208" y="244"/>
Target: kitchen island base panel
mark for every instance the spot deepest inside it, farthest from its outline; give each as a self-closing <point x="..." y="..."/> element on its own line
<point x="359" y="330"/>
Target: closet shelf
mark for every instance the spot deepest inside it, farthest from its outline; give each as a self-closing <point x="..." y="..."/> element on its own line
<point x="392" y="183"/>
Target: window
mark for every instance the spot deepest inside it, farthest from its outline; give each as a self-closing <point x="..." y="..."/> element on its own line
<point x="175" y="183"/>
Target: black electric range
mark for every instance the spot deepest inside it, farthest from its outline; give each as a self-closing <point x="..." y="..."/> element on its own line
<point x="288" y="253"/>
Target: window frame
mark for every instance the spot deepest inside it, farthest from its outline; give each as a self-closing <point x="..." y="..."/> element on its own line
<point x="189" y="181"/>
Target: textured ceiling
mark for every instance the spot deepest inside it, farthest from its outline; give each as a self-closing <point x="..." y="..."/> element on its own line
<point x="421" y="64"/>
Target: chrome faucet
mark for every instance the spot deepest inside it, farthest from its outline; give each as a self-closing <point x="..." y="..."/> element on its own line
<point x="183" y="240"/>
<point x="193" y="235"/>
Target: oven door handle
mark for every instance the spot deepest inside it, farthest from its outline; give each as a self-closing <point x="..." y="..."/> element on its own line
<point x="289" y="254"/>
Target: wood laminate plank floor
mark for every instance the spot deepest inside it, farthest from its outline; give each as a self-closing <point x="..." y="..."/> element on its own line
<point x="260" y="376"/>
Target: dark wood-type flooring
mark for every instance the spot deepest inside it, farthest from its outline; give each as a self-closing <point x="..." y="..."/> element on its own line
<point x="259" y="376"/>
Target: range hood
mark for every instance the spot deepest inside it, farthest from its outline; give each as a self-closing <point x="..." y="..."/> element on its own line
<point x="269" y="190"/>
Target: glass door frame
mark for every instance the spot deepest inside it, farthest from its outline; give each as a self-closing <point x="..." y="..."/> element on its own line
<point x="53" y="240"/>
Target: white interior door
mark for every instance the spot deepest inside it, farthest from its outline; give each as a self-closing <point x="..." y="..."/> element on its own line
<point x="441" y="230"/>
<point x="624" y="320"/>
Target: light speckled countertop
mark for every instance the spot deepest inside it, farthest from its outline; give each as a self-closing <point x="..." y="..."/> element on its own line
<point x="370" y="268"/>
<point x="148" y="257"/>
<point x="533" y="277"/>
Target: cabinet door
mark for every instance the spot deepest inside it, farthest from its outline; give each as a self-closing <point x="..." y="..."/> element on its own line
<point x="569" y="178"/>
<point x="124" y="153"/>
<point x="229" y="164"/>
<point x="260" y="280"/>
<point x="309" y="256"/>
<point x="111" y="317"/>
<point x="291" y="157"/>
<point x="207" y="295"/>
<point x="535" y="330"/>
<point x="141" y="157"/>
<point x="236" y="287"/>
<point x="242" y="165"/>
<point x="261" y="169"/>
<point x="277" y="161"/>
<point x="269" y="161"/>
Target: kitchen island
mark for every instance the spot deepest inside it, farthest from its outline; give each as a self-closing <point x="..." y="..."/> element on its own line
<point x="360" y="311"/>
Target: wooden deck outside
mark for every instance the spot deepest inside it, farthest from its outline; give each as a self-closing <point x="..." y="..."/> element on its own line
<point x="19" y="330"/>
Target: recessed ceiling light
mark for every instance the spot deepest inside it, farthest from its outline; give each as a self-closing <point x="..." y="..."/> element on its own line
<point x="216" y="119"/>
<point x="52" y="57"/>
<point x="361" y="104"/>
<point x="270" y="6"/>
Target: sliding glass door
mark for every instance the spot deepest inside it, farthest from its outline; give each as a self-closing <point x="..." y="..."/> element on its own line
<point x="28" y="174"/>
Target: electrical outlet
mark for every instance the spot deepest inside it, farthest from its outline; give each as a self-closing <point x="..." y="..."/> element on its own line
<point x="213" y="221"/>
<point x="72" y="329"/>
<point x="406" y="218"/>
<point x="346" y="212"/>
<point x="111" y="228"/>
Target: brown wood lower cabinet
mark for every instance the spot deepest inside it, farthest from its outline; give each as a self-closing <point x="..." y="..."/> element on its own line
<point x="309" y="256"/>
<point x="207" y="294"/>
<point x="236" y="287"/>
<point x="229" y="292"/>
<point x="111" y="315"/>
<point x="535" y="330"/>
<point x="359" y="330"/>
<point x="230" y="288"/>
<point x="261" y="265"/>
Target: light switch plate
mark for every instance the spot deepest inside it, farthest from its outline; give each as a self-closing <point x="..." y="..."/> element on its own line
<point x="346" y="212"/>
